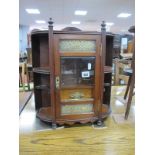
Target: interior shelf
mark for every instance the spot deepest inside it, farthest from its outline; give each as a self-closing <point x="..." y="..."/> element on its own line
<point x="107" y="69"/>
<point x="41" y="70"/>
<point x="42" y="87"/>
<point x="45" y="114"/>
<point x="78" y="100"/>
<point x="76" y="86"/>
<point x="107" y="84"/>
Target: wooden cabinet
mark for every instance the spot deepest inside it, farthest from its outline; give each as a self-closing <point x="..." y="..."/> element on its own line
<point x="71" y="79"/>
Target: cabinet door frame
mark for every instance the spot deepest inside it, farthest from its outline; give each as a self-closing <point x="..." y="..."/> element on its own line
<point x="97" y="87"/>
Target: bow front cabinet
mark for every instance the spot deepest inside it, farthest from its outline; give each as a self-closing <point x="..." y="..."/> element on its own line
<point x="72" y="75"/>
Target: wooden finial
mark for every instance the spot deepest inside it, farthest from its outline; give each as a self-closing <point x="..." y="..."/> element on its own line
<point x="103" y="26"/>
<point x="132" y="29"/>
<point x="50" y="22"/>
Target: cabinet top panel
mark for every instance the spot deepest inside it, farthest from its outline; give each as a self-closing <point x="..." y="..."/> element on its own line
<point x="70" y="32"/>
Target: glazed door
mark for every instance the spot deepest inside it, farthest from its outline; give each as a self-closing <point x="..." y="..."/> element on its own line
<point x="77" y="76"/>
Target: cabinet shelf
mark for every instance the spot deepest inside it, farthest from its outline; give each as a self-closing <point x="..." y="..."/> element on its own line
<point x="107" y="84"/>
<point x="42" y="87"/>
<point x="107" y="69"/>
<point x="45" y="114"/>
<point x="77" y="86"/>
<point x="77" y="100"/>
<point x="41" y="70"/>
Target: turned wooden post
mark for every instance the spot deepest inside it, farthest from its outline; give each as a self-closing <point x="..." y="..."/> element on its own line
<point x="52" y="78"/>
<point x="102" y="64"/>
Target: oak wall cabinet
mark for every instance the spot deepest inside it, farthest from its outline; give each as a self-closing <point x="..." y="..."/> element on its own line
<point x="72" y="75"/>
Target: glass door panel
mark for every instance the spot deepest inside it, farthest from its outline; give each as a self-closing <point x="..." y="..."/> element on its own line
<point x="77" y="71"/>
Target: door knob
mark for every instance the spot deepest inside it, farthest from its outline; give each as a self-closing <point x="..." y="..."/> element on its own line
<point x="57" y="82"/>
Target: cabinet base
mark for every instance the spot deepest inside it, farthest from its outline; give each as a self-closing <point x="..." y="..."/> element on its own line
<point x="45" y="115"/>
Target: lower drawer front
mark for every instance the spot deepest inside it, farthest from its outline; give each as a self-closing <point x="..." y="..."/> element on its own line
<point x="76" y="94"/>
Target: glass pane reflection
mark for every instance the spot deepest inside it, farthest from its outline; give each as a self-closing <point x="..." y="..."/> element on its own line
<point x="77" y="71"/>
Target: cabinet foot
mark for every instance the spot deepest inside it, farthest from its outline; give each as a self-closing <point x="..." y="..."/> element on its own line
<point x="54" y="125"/>
<point x="99" y="125"/>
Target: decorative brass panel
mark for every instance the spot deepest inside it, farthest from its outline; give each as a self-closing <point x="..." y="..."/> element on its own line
<point x="77" y="45"/>
<point x="77" y="109"/>
<point x="76" y="93"/>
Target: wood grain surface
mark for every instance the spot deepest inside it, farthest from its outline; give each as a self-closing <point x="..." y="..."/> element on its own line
<point x="82" y="140"/>
<point x="79" y="139"/>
